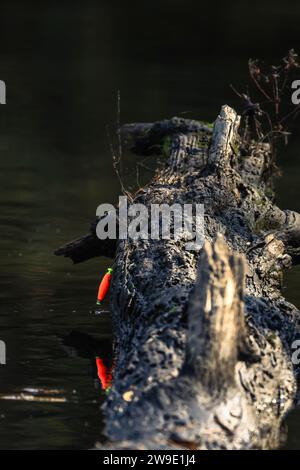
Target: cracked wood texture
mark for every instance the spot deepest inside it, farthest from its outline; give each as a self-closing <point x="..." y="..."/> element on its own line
<point x="203" y="340"/>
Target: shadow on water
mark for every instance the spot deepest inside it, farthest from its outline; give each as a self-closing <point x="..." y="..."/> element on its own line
<point x="63" y="66"/>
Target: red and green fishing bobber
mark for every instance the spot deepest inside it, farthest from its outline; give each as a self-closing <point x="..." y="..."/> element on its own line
<point x="104" y="286"/>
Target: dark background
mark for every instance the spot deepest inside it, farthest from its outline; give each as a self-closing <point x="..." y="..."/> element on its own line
<point x="63" y="63"/>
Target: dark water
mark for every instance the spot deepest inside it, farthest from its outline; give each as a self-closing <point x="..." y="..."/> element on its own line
<point x="63" y="64"/>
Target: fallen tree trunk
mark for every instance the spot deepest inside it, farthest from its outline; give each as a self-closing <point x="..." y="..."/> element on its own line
<point x="203" y="341"/>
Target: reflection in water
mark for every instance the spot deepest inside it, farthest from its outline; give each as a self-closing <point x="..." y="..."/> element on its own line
<point x="104" y="374"/>
<point x="27" y="397"/>
<point x="39" y="395"/>
<point x="100" y="354"/>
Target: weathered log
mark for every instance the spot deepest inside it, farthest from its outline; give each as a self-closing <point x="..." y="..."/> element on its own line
<point x="87" y="247"/>
<point x="150" y="139"/>
<point x="203" y="341"/>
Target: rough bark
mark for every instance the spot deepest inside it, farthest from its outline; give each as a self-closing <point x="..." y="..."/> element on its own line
<point x="203" y="341"/>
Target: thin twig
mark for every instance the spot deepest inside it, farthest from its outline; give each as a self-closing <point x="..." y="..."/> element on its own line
<point x="116" y="166"/>
<point x="119" y="129"/>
